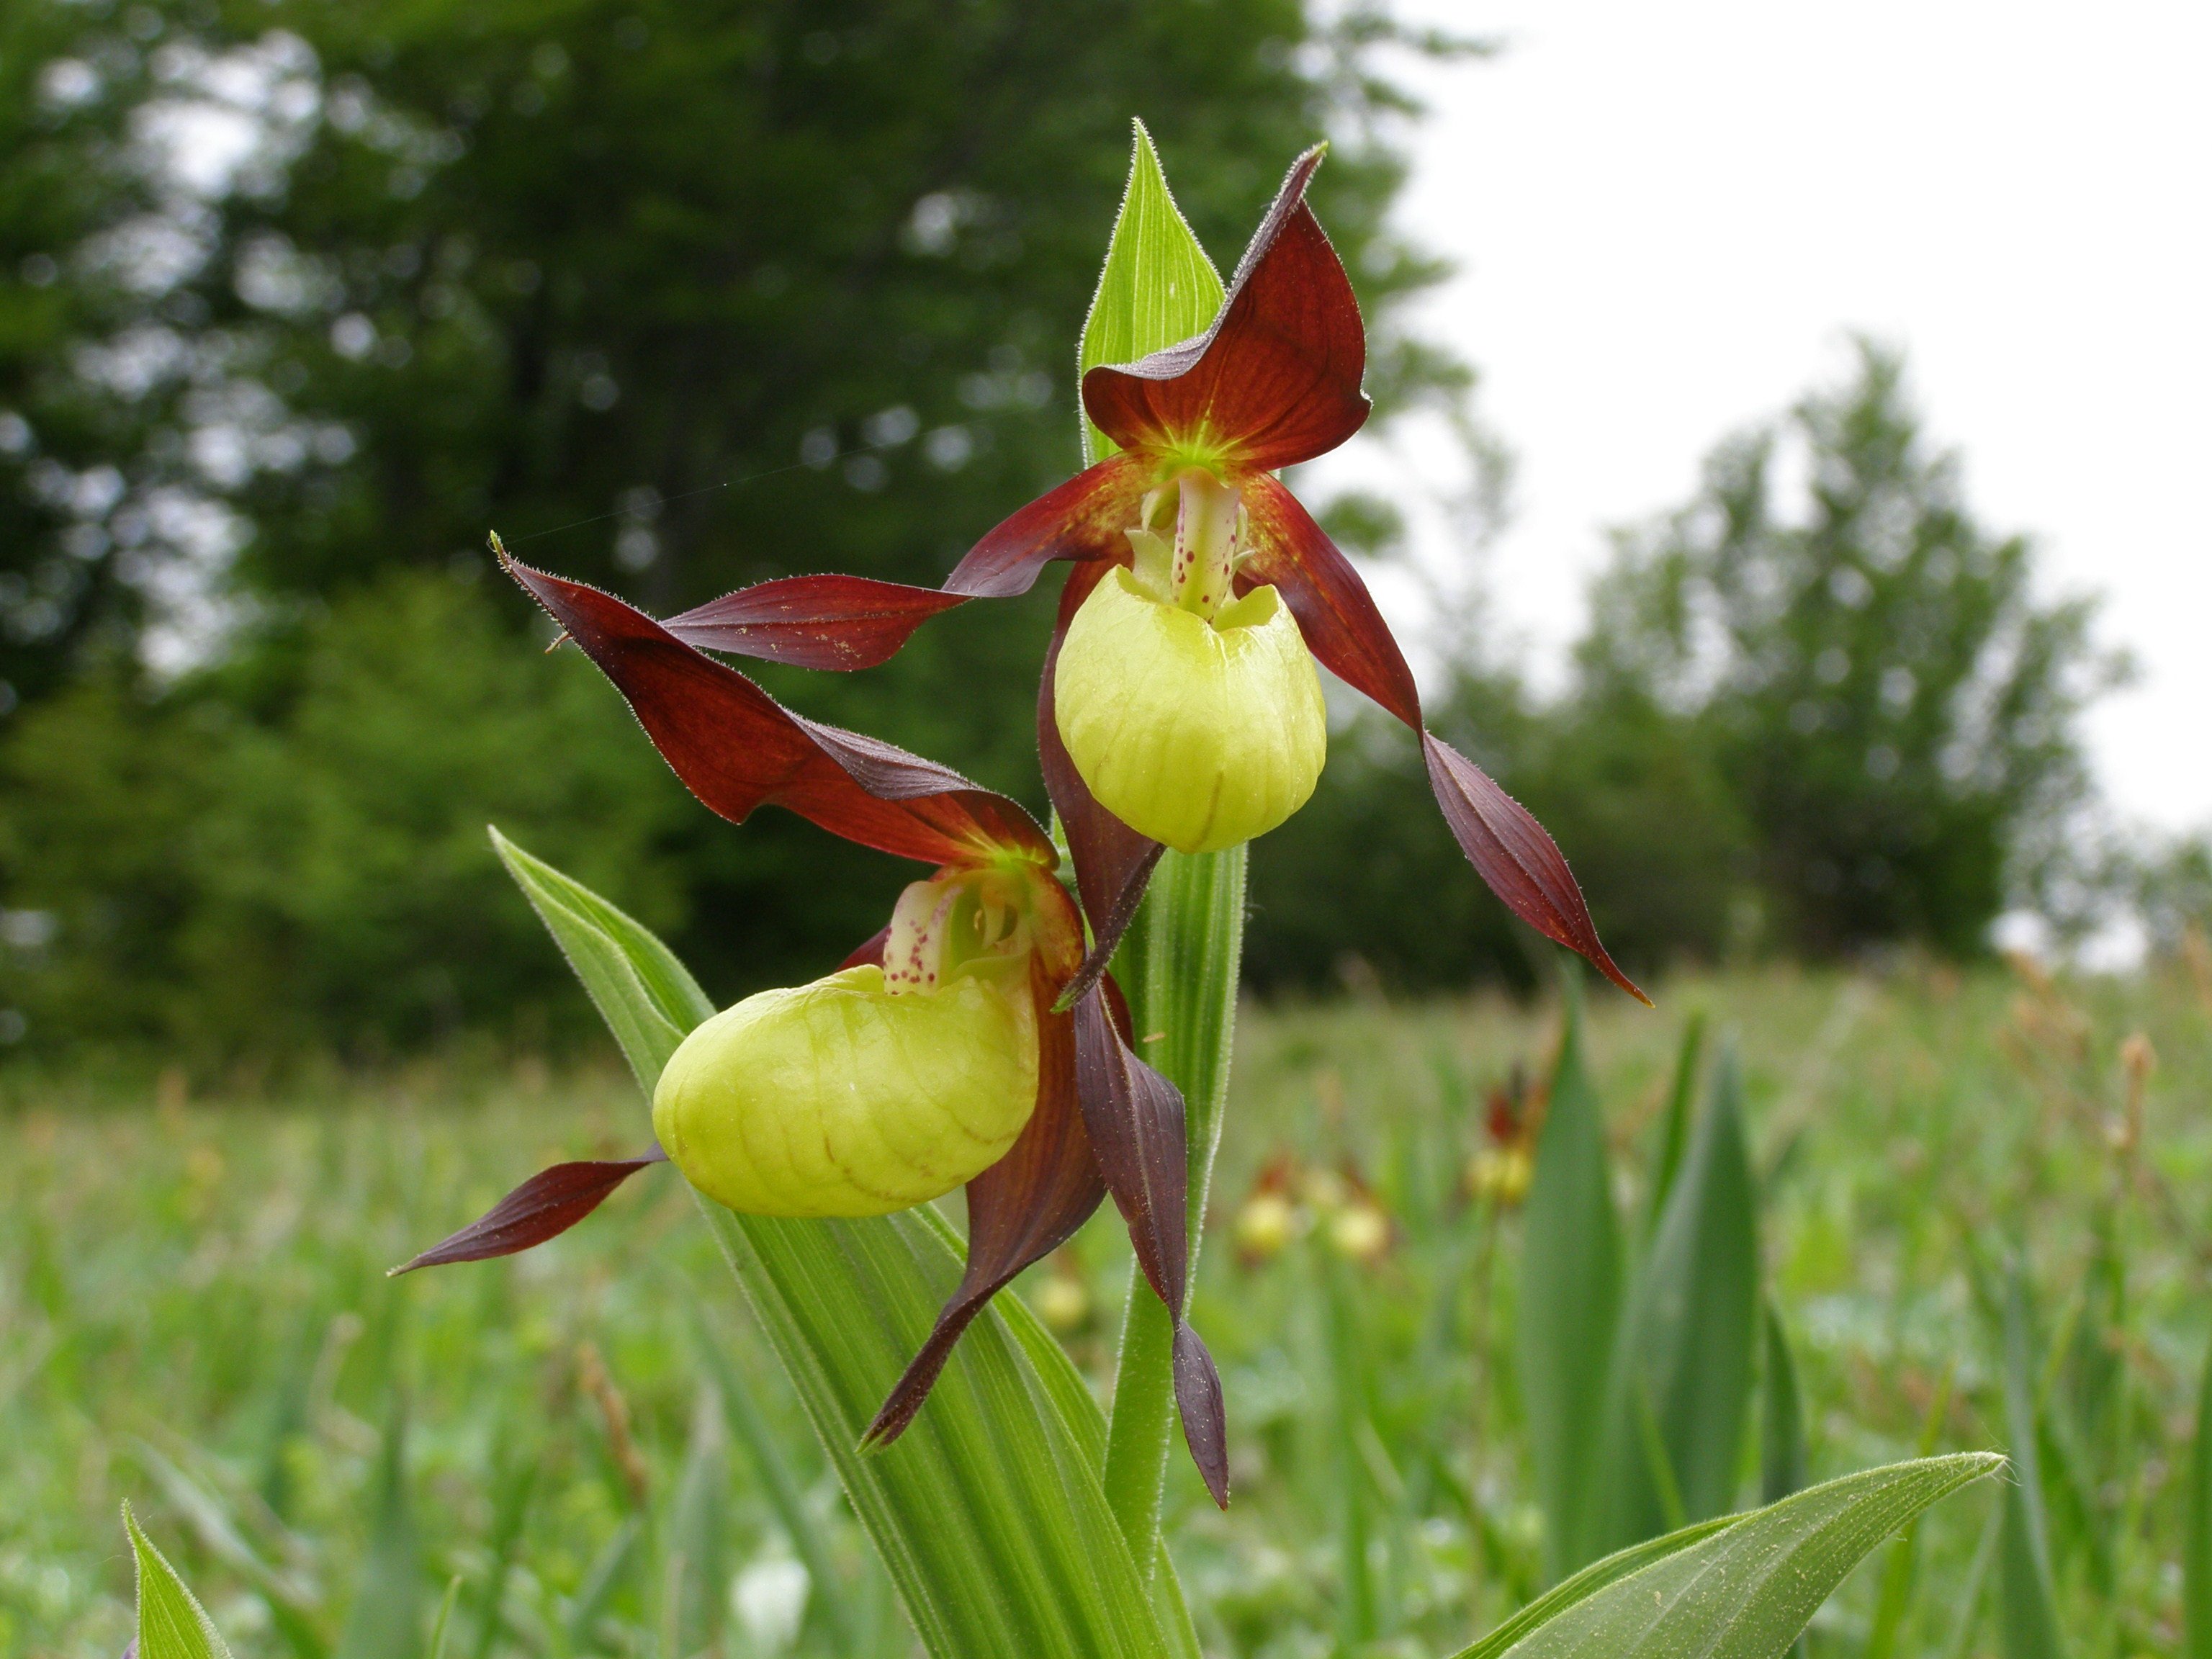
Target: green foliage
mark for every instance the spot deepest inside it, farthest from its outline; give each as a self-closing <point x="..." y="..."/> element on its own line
<point x="1637" y="1388"/>
<point x="2197" y="1545"/>
<point x="214" y="1264"/>
<point x="1681" y="1375"/>
<point x="263" y="861"/>
<point x="172" y="1623"/>
<point x="1888" y="704"/>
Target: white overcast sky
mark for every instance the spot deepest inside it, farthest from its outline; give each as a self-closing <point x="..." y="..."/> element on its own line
<point x="1667" y="218"/>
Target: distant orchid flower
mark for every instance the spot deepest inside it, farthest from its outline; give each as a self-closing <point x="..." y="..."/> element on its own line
<point x="1180" y="705"/>
<point x="934" y="1056"/>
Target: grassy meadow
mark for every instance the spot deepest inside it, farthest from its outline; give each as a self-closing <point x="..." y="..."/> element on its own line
<point x="591" y="1445"/>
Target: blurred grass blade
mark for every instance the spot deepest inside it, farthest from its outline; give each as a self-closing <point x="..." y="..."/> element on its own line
<point x="1781" y="1417"/>
<point x="445" y="1620"/>
<point x="1157" y="287"/>
<point x="1570" y="1302"/>
<point x="697" y="1551"/>
<point x="988" y="1513"/>
<point x="2027" y="1613"/>
<point x="809" y="1538"/>
<point x="512" y="1484"/>
<point x="1743" y="1588"/>
<point x="1675" y="1119"/>
<point x="2196" y="1549"/>
<point x="1901" y="1567"/>
<point x="383" y="1622"/>
<point x="1689" y="1335"/>
<point x="172" y="1623"/>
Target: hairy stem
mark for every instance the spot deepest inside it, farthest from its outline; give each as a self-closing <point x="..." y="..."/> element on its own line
<point x="1179" y="965"/>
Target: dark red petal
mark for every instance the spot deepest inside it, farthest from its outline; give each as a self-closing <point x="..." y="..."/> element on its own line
<point x="545" y="1205"/>
<point x="1335" y="612"/>
<point x="1135" y="1118"/>
<point x="1019" y="1211"/>
<point x="736" y="748"/>
<point x="1113" y="862"/>
<point x="1205" y="1421"/>
<point x="869" y="952"/>
<point x="1512" y="852"/>
<point x="1086" y="518"/>
<point x="1275" y="380"/>
<point x="813" y="621"/>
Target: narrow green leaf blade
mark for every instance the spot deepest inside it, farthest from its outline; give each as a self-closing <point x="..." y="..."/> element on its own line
<point x="1158" y="288"/>
<point x="647" y="998"/>
<point x="1675" y="1119"/>
<point x="172" y="1623"/>
<point x="384" y="1621"/>
<point x="988" y="1513"/>
<point x="1570" y="1304"/>
<point x="1682" y="1376"/>
<point x="2027" y="1612"/>
<point x="2197" y="1558"/>
<point x="1746" y="1589"/>
<point x="1781" y="1417"/>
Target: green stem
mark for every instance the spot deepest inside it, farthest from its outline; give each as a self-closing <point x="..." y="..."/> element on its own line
<point x="1180" y="967"/>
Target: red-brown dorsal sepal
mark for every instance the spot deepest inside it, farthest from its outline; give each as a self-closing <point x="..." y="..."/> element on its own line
<point x="736" y="748"/>
<point x="1275" y="380"/>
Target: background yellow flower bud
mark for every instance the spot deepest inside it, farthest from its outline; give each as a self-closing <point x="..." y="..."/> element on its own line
<point x="841" y="1098"/>
<point x="1200" y="734"/>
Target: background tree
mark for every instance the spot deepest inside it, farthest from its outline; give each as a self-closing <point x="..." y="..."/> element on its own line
<point x="1888" y="699"/>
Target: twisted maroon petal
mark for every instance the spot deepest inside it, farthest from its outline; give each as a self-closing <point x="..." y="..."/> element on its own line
<point x="1512" y="852"/>
<point x="813" y="621"/>
<point x="1135" y="1118"/>
<point x="544" y="1206"/>
<point x="736" y="748"/>
<point x="1019" y="1211"/>
<point x="1086" y="518"/>
<point x="1275" y="380"/>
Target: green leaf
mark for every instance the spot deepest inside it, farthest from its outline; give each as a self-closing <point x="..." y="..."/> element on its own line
<point x="1674" y="1120"/>
<point x="1682" y="1374"/>
<point x="809" y="1537"/>
<point x="647" y="998"/>
<point x="383" y="1622"/>
<point x="1743" y="1588"/>
<point x="172" y="1623"/>
<point x="987" y="1512"/>
<point x="1781" y="1417"/>
<point x="1158" y="288"/>
<point x="1570" y="1304"/>
<point x="2197" y="1558"/>
<point x="2028" y="1611"/>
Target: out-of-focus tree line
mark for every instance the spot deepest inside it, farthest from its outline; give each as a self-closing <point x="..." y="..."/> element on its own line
<point x="298" y="300"/>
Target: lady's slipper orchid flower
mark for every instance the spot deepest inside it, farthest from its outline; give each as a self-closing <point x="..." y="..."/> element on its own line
<point x="1179" y="696"/>
<point x="936" y="1055"/>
